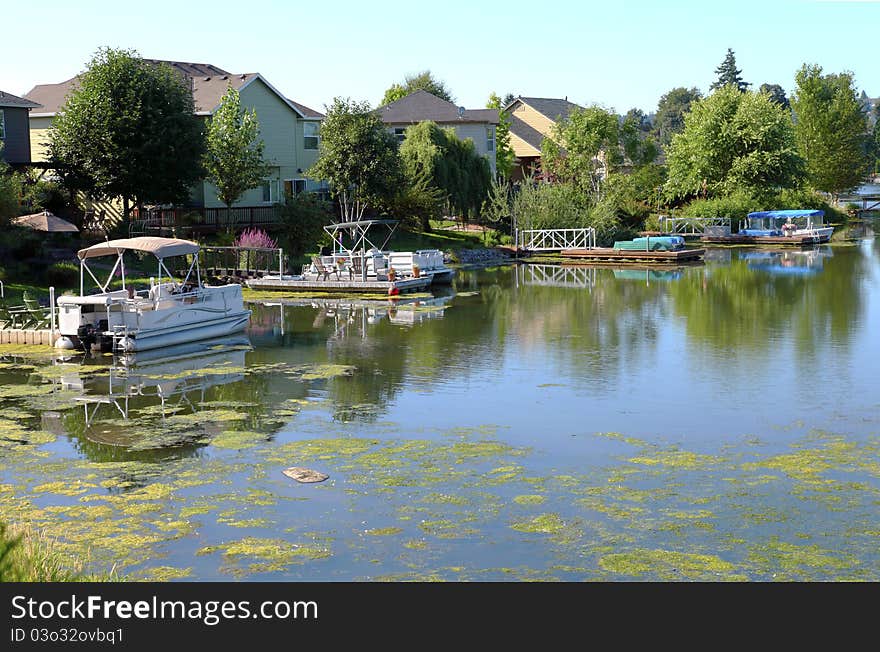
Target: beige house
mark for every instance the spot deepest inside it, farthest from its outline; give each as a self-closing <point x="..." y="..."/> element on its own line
<point x="476" y="124"/>
<point x="289" y="130"/>
<point x="531" y="121"/>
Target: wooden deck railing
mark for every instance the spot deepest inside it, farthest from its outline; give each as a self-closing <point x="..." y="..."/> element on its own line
<point x="156" y="220"/>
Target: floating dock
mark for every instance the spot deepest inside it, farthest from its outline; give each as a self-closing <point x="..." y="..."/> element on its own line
<point x="775" y="240"/>
<point x="42" y="336"/>
<point x="295" y="284"/>
<point x="609" y="256"/>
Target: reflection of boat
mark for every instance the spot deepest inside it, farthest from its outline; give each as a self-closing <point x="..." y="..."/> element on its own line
<point x="647" y="275"/>
<point x="170" y="312"/>
<point x="787" y="263"/>
<point x="178" y="379"/>
<point x="363" y="266"/>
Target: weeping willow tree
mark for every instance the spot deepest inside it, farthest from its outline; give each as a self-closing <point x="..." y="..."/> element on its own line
<point x="438" y="157"/>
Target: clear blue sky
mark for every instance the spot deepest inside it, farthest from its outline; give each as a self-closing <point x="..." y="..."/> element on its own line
<point x="617" y="53"/>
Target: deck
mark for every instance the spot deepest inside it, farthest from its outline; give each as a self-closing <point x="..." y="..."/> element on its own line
<point x="607" y="255"/>
<point x="784" y="240"/>
<point x="339" y="286"/>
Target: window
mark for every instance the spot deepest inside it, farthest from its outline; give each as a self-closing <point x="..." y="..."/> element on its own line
<point x="400" y="133"/>
<point x="270" y="191"/>
<point x="310" y="135"/>
<point x="293" y="187"/>
<point x="490" y="139"/>
<point x="2" y="125"/>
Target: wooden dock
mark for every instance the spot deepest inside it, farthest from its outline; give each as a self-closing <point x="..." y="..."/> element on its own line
<point x="609" y="256"/>
<point x="775" y="240"/>
<point x="28" y="336"/>
<point x="339" y="286"/>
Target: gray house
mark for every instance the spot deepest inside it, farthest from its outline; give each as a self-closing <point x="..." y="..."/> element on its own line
<point x="15" y="128"/>
<point x="477" y="124"/>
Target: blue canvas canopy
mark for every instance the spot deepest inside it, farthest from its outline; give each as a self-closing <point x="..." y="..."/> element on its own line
<point x="777" y="215"/>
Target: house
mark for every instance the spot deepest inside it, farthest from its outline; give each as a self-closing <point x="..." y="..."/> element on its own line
<point x="477" y="124"/>
<point x="531" y="121"/>
<point x="288" y="129"/>
<point x="14" y="129"/>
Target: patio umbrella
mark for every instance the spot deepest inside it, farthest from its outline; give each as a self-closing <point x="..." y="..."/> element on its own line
<point x="45" y="221"/>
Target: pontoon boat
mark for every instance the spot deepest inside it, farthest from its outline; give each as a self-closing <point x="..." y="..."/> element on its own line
<point x="170" y="312"/>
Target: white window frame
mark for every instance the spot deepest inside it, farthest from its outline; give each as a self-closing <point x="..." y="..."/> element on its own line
<point x="297" y="181"/>
<point x="316" y="136"/>
<point x="400" y="134"/>
<point x="273" y="191"/>
<point x="2" y="124"/>
<point x="490" y="139"/>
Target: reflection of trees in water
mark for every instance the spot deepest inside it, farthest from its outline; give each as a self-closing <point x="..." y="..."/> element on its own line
<point x="592" y="331"/>
<point x="388" y="343"/>
<point x="732" y="307"/>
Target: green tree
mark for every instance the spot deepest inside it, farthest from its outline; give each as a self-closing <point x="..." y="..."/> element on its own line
<point x="436" y="155"/>
<point x="129" y="131"/>
<point x="877" y="138"/>
<point x="302" y="221"/>
<point x="831" y="129"/>
<point x="234" y="156"/>
<point x="504" y="156"/>
<point x="423" y="81"/>
<point x="583" y="147"/>
<point x="729" y="74"/>
<point x="669" y="119"/>
<point x="638" y="146"/>
<point x="731" y="140"/>
<point x="776" y="93"/>
<point x="10" y="188"/>
<point x="358" y="157"/>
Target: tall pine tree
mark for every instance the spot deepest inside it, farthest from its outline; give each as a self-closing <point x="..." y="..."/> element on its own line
<point x="729" y="74"/>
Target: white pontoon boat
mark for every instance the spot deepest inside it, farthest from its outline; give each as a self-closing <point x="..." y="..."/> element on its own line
<point x="170" y="312"/>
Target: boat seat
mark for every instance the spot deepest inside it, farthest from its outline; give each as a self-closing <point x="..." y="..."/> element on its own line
<point x="162" y="291"/>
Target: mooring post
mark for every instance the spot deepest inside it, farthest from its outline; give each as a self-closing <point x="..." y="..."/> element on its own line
<point x="52" y="314"/>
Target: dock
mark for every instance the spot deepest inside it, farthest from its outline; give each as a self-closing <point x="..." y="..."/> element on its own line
<point x="294" y="284"/>
<point x="43" y="336"/>
<point x="776" y="240"/>
<point x="609" y="256"/>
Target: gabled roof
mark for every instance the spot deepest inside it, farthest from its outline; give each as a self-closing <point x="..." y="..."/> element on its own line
<point x="10" y="100"/>
<point x="209" y="83"/>
<point x="528" y="133"/>
<point x="306" y="111"/>
<point x="421" y="105"/>
<point x="552" y="108"/>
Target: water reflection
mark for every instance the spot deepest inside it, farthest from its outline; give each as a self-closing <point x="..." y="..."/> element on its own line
<point x="145" y="404"/>
<point x="795" y="262"/>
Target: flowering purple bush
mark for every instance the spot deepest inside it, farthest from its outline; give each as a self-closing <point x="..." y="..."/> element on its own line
<point x="255" y="238"/>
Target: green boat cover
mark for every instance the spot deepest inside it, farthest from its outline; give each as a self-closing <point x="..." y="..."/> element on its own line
<point x="659" y="243"/>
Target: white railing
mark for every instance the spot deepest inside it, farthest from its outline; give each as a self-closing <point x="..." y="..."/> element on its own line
<point x="690" y="225"/>
<point x="556" y="276"/>
<point x="555" y="239"/>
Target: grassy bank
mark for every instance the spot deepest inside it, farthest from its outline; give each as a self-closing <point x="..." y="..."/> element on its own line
<point x="30" y="556"/>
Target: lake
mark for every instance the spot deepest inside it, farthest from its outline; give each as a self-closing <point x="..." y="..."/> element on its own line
<point x="717" y="422"/>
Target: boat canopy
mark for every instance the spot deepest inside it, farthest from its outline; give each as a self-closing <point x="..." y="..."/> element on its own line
<point x="782" y="215"/>
<point x="357" y="231"/>
<point x="159" y="247"/>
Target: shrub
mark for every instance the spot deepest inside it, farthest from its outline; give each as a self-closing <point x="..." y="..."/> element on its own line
<point x="63" y="274"/>
<point x="255" y="238"/>
<point x="302" y="220"/>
